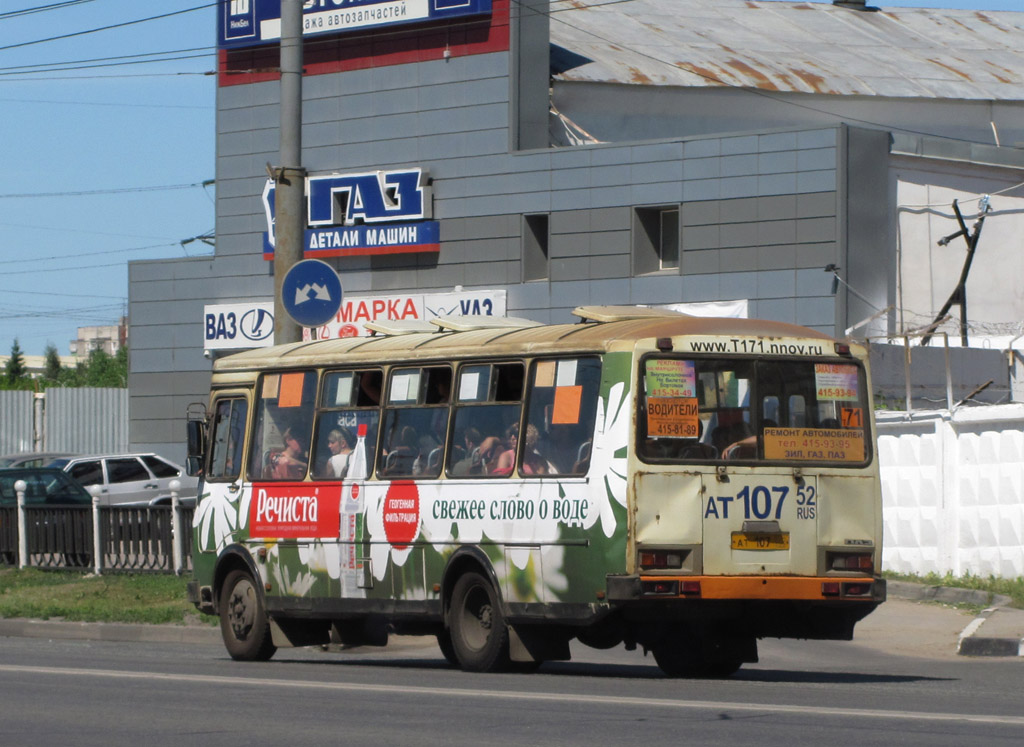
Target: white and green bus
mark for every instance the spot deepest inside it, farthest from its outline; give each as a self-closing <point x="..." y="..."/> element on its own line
<point x="687" y="485"/>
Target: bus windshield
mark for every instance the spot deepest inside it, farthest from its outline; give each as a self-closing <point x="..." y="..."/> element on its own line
<point x="745" y="409"/>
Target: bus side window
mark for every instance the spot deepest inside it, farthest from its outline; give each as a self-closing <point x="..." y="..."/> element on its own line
<point x="348" y="405"/>
<point x="486" y="422"/>
<point x="227" y="437"/>
<point x="560" y="419"/>
<point x="415" y="422"/>
<point x="283" y="426"/>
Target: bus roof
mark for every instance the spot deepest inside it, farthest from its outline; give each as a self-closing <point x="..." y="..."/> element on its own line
<point x="600" y="328"/>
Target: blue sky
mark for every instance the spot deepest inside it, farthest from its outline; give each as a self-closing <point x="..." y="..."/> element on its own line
<point x="104" y="162"/>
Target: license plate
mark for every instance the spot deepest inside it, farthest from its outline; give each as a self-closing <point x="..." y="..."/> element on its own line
<point x="760" y="541"/>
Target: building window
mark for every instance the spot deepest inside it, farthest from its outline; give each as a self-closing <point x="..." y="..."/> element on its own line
<point x="655" y="239"/>
<point x="535" y="247"/>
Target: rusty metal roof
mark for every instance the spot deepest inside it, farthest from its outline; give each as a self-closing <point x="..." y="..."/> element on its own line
<point x="801" y="47"/>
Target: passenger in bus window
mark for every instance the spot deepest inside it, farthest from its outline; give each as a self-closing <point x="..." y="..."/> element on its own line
<point x="744" y="442"/>
<point x="490" y="450"/>
<point x="471" y="438"/>
<point x="290" y="462"/>
<point x="401" y="459"/>
<point x="340" y="443"/>
<point x="534" y="462"/>
<point x="507" y="458"/>
<point x="560" y="448"/>
<point x="369" y="388"/>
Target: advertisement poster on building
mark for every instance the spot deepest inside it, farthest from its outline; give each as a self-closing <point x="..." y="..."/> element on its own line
<point x="357" y="310"/>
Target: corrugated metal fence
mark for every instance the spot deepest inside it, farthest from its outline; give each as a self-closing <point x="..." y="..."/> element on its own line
<point x="16" y="432"/>
<point x="77" y="420"/>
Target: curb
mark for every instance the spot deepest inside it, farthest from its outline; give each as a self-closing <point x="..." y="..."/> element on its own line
<point x="82" y="631"/>
<point x="972" y="644"/>
<point x="969" y="643"/>
<point x="946" y="594"/>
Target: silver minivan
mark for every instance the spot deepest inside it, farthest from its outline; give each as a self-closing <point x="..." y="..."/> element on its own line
<point x="128" y="478"/>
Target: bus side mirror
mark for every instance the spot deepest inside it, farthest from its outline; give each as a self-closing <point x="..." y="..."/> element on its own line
<point x="196" y="447"/>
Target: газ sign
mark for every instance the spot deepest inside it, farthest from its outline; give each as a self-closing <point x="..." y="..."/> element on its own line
<point x="362" y="214"/>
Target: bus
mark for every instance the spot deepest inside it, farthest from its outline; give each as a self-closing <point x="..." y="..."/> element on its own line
<point x="640" y="477"/>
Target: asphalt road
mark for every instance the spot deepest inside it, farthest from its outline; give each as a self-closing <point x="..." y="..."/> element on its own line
<point x="900" y="682"/>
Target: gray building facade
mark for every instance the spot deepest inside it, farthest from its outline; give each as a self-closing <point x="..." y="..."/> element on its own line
<point x="753" y="214"/>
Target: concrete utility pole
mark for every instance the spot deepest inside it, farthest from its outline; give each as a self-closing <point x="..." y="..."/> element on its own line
<point x="290" y="177"/>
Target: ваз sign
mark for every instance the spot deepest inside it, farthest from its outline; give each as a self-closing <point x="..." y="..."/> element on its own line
<point x="238" y="325"/>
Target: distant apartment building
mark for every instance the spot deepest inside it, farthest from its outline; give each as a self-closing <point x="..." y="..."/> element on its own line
<point x="109" y="339"/>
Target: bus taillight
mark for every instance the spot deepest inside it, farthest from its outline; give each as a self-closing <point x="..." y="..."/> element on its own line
<point x="859" y="589"/>
<point x="666" y="588"/>
<point x="851" y="562"/>
<point x="658" y="559"/>
<point x="830" y="589"/>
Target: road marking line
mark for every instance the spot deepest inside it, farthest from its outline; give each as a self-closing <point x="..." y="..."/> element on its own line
<point x="607" y="700"/>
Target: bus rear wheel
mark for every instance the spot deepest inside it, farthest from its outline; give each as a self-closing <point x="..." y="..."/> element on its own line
<point x="703" y="656"/>
<point x="479" y="633"/>
<point x="244" y="624"/>
<point x="676" y="663"/>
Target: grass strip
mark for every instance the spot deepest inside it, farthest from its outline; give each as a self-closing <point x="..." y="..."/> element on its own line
<point x="1010" y="587"/>
<point x="122" y="598"/>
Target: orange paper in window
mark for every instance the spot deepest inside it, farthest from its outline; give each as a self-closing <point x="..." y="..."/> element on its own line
<point x="291" y="390"/>
<point x="567" y="405"/>
<point x="673" y="417"/>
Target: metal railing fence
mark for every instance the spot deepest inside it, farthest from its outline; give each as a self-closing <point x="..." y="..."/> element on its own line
<point x="135" y="539"/>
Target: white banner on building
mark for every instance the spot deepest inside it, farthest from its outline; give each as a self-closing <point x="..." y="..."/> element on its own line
<point x="235" y="326"/>
<point x="357" y="310"/>
<point x="735" y="309"/>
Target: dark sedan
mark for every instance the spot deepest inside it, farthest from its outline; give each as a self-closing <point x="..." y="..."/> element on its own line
<point x="43" y="486"/>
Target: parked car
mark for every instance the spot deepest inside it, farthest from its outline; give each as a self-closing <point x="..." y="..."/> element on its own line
<point x="128" y="478"/>
<point x="42" y="486"/>
<point x="31" y="458"/>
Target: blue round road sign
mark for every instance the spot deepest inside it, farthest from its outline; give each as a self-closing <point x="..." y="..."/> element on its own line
<point x="311" y="292"/>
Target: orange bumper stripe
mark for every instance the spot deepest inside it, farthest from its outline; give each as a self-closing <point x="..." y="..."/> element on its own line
<point x="761" y="587"/>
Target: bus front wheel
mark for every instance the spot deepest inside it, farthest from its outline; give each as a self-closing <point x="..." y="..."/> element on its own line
<point x="244" y="624"/>
<point x="444" y="642"/>
<point x="479" y="634"/>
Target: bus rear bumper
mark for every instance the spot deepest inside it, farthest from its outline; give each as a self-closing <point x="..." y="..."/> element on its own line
<point x="820" y="607"/>
<point x="794" y="588"/>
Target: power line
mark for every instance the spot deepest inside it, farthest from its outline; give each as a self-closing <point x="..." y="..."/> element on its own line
<point x="54" y="66"/>
<point x="107" y="28"/>
<point x="41" y="9"/>
<point x="91" y="254"/>
<point x="87" y="192"/>
<point x="121" y="104"/>
<point x="113" y="58"/>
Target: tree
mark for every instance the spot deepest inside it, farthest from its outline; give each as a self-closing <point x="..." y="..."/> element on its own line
<point x="14" y="369"/>
<point x="104" y="370"/>
<point x="52" y="365"/>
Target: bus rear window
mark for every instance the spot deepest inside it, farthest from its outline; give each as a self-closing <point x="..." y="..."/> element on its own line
<point x="793" y="411"/>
